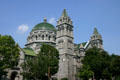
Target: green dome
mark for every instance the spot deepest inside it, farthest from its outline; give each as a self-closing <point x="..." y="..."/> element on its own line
<point x="44" y="26"/>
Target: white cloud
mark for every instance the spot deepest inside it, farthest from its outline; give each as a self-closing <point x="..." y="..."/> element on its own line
<point x="52" y="21"/>
<point x="23" y="28"/>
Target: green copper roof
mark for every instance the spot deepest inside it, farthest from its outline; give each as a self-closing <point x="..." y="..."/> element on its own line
<point x="64" y="14"/>
<point x="95" y="31"/>
<point x="83" y="44"/>
<point x="29" y="51"/>
<point x="44" y="26"/>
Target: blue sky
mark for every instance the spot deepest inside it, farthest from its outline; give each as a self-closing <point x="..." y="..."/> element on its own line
<point x="18" y="17"/>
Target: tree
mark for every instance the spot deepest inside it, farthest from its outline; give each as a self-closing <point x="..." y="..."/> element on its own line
<point x="99" y="61"/>
<point x="43" y="65"/>
<point x="9" y="53"/>
<point x="85" y="73"/>
<point x="115" y="66"/>
<point x="35" y="68"/>
<point x="52" y="55"/>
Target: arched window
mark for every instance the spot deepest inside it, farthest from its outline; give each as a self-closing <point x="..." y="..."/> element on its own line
<point x="46" y="35"/>
<point x="13" y="75"/>
<point x="69" y="41"/>
<point x="49" y="37"/>
<point x="60" y="41"/>
<point x="42" y="37"/>
<point x="36" y="37"/>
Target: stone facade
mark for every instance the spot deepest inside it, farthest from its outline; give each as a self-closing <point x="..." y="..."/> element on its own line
<point x="62" y="38"/>
<point x="70" y="57"/>
<point x="65" y="46"/>
<point x="40" y="36"/>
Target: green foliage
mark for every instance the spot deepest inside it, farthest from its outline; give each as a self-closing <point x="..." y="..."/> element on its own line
<point x="43" y="65"/>
<point x="9" y="53"/>
<point x="29" y="51"/>
<point x="106" y="74"/>
<point x="52" y="55"/>
<point x="64" y="79"/>
<point x="99" y="61"/>
<point x="36" y="68"/>
<point x="85" y="73"/>
<point x="101" y="64"/>
<point x="115" y="65"/>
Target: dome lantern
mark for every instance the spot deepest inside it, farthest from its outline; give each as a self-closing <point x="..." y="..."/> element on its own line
<point x="45" y="19"/>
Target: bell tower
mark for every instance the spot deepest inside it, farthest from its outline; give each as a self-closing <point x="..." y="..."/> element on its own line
<point x="64" y="44"/>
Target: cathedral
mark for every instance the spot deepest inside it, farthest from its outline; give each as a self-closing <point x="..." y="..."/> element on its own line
<point x="61" y="37"/>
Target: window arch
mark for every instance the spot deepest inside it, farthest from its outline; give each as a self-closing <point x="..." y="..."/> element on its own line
<point x="42" y="37"/>
<point x="60" y="41"/>
<point x="49" y="37"/>
<point x="13" y="75"/>
<point x="36" y="37"/>
<point x="46" y="35"/>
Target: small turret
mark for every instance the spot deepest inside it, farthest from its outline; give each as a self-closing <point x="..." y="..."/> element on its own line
<point x="96" y="39"/>
<point x="81" y="50"/>
<point x="96" y="35"/>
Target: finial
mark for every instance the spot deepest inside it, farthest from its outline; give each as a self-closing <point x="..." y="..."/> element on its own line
<point x="45" y="19"/>
<point x="64" y="14"/>
<point x="95" y="31"/>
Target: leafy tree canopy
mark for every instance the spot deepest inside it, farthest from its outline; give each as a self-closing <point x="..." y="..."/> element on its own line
<point x="43" y="65"/>
<point x="9" y="53"/>
<point x="115" y="66"/>
<point x="85" y="73"/>
<point x="99" y="61"/>
<point x="52" y="55"/>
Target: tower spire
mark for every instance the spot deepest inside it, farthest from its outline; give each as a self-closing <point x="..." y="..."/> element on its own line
<point x="95" y="31"/>
<point x="64" y="14"/>
<point x="96" y="39"/>
<point x="64" y="18"/>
